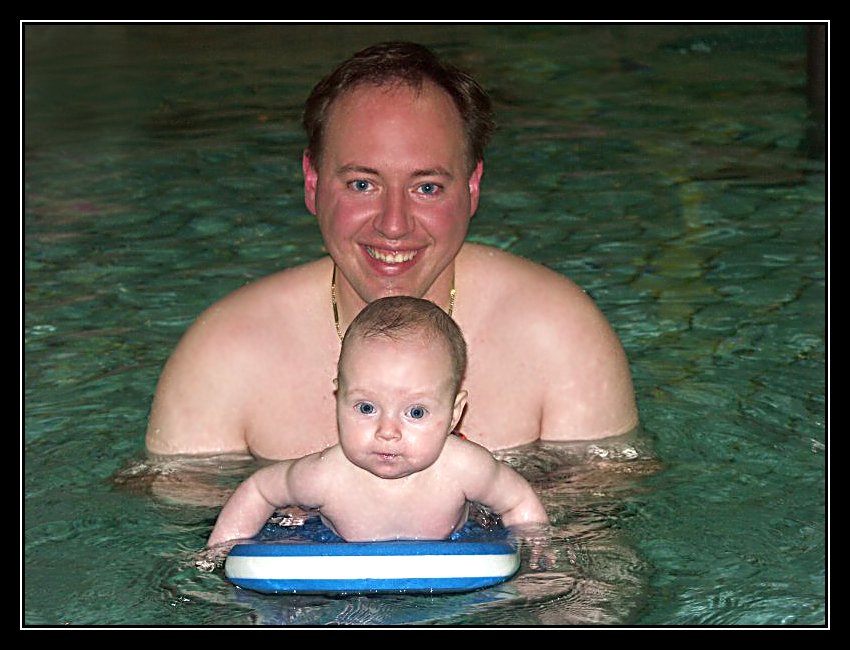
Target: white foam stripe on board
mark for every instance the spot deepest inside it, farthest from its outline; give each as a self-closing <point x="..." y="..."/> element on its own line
<point x="365" y="567"/>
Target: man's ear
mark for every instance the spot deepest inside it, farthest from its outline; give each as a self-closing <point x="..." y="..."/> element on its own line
<point x="311" y="181"/>
<point x="475" y="187"/>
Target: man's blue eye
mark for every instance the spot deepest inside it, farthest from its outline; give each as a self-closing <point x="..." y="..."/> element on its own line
<point x="429" y="188"/>
<point x="365" y="408"/>
<point x="417" y="412"/>
<point x="360" y="185"/>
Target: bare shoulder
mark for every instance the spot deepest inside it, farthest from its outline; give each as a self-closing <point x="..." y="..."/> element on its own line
<point x="527" y="295"/>
<point x="248" y="310"/>
<point x="561" y="352"/>
<point x="317" y="477"/>
<point x="470" y="465"/>
<point x="244" y="325"/>
<point x="463" y="456"/>
<point x="232" y="357"/>
<point x="319" y="467"/>
<point x="241" y="327"/>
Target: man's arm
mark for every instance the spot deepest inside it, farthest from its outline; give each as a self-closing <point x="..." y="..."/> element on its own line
<point x="588" y="393"/>
<point x="575" y="375"/>
<point x="196" y="408"/>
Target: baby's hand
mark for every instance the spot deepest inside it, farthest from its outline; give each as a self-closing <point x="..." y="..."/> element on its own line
<point x="538" y="539"/>
<point x="213" y="557"/>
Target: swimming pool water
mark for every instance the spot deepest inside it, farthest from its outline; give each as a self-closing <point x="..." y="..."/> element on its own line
<point x="665" y="168"/>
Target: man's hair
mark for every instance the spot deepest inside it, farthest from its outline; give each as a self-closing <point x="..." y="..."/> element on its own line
<point x="405" y="63"/>
<point x="404" y="318"/>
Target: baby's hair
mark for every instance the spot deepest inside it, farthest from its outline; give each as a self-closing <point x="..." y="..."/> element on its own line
<point x="405" y="317"/>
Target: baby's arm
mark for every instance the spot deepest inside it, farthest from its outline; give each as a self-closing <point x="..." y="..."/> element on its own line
<point x="500" y="488"/>
<point x="503" y="490"/>
<point x="254" y="501"/>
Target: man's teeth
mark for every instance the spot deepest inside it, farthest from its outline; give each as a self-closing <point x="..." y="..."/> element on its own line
<point x="390" y="257"/>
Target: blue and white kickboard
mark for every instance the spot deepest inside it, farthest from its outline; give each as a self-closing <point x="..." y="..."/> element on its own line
<point x="313" y="559"/>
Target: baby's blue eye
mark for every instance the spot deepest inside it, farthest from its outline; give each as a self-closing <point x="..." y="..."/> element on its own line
<point x="365" y="408"/>
<point x="417" y="412"/>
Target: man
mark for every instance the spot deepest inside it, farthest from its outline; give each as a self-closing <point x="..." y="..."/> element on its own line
<point x="392" y="172"/>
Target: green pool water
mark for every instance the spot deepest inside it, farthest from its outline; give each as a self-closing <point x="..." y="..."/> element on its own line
<point x="666" y="168"/>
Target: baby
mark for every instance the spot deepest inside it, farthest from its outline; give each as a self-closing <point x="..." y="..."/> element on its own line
<point x="398" y="471"/>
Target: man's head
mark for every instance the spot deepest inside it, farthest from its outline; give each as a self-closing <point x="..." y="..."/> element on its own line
<point x="408" y="64"/>
<point x="393" y="171"/>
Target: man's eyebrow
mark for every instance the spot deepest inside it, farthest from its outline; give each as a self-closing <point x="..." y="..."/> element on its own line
<point x="358" y="169"/>
<point x="363" y="169"/>
<point x="434" y="171"/>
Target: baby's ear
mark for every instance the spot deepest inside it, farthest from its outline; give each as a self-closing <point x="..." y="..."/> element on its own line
<point x="460" y="404"/>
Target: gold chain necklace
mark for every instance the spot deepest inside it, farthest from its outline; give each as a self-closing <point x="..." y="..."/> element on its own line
<point x="336" y="309"/>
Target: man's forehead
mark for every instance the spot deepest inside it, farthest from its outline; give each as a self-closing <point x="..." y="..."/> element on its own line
<point x="393" y="93"/>
<point x="372" y="125"/>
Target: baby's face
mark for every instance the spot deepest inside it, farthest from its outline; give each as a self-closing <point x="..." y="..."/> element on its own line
<point x="395" y="405"/>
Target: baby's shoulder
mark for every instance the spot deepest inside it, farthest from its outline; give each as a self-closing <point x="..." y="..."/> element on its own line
<point x="465" y="454"/>
<point x="327" y="462"/>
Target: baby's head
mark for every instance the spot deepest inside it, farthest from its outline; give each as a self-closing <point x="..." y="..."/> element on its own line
<point x="398" y="386"/>
<point x="404" y="318"/>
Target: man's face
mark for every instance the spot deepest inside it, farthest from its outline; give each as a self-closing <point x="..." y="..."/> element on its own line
<point x="393" y="194"/>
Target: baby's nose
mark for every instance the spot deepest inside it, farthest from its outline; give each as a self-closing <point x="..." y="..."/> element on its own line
<point x="388" y="429"/>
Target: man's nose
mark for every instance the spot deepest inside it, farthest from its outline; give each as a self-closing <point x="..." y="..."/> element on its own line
<point x="393" y="220"/>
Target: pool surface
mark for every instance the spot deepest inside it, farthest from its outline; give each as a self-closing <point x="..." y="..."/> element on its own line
<point x="668" y="169"/>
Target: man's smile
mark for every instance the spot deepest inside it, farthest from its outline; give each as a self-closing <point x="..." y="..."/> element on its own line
<point x="391" y="257"/>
